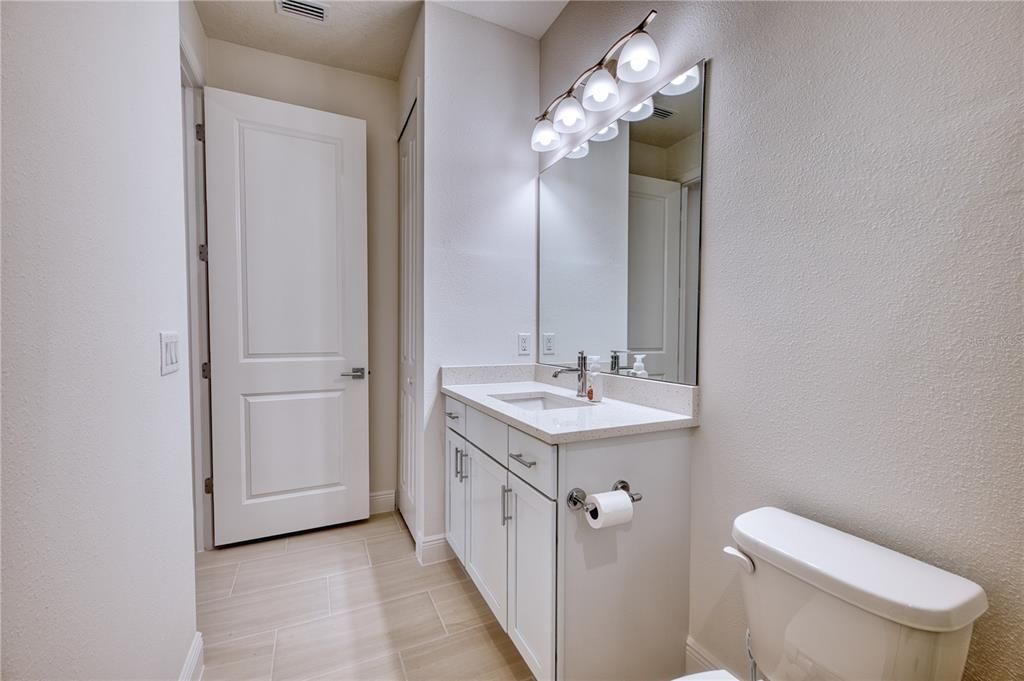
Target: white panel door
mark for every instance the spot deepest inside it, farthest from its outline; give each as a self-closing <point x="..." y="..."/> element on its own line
<point x="531" y="577"/>
<point x="455" y="492"/>
<point x="286" y="205"/>
<point x="409" y="324"/>
<point x="487" y="545"/>
<point x="653" y="291"/>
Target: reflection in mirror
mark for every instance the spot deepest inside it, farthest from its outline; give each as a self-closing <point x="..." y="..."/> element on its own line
<point x="620" y="238"/>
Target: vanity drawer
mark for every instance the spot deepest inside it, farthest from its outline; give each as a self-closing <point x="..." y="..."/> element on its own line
<point x="488" y="434"/>
<point x="534" y="461"/>
<point x="455" y="415"/>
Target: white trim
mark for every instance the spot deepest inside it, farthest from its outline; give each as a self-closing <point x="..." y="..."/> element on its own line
<point x="698" y="659"/>
<point x="433" y="549"/>
<point x="192" y="670"/>
<point x="382" y="502"/>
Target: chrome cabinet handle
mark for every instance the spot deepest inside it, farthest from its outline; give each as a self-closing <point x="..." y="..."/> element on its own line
<point x="452" y="415"/>
<point x="358" y="373"/>
<point x="519" y="458"/>
<point x="462" y="465"/>
<point x="458" y="463"/>
<point x="505" y="517"/>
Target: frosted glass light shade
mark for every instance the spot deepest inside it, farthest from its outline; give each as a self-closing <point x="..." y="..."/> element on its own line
<point x="606" y="133"/>
<point x="569" y="115"/>
<point x="639" y="60"/>
<point x="545" y="137"/>
<point x="639" y="112"/>
<point x="580" y="151"/>
<point x="683" y="83"/>
<point x="601" y="92"/>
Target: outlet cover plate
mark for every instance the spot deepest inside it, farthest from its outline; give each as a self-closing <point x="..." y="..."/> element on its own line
<point x="523" y="343"/>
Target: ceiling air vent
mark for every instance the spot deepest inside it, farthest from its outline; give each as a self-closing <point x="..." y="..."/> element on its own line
<point x="662" y="113"/>
<point x="302" y="9"/>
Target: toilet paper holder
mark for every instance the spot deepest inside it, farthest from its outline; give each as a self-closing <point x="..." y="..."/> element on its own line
<point x="577" y="498"/>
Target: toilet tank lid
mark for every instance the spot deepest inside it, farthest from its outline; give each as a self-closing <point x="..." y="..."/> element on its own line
<point x="882" y="581"/>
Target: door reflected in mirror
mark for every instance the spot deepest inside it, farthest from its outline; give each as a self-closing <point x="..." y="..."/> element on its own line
<point x="620" y="241"/>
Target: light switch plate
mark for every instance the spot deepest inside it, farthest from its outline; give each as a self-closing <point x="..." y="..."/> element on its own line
<point x="548" y="343"/>
<point x="169" y="353"/>
<point x="523" y="343"/>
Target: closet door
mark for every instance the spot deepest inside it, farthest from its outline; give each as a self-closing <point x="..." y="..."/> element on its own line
<point x="531" y="577"/>
<point x="487" y="548"/>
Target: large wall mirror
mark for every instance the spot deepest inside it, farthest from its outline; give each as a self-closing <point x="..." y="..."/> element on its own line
<point x="620" y="241"/>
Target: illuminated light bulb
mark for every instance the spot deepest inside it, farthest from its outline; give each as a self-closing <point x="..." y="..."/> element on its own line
<point x="608" y="132"/>
<point x="580" y="151"/>
<point x="685" y="82"/>
<point x="641" y="111"/>
<point x="569" y="116"/>
<point x="601" y="91"/>
<point x="544" y="138"/>
<point x="639" y="60"/>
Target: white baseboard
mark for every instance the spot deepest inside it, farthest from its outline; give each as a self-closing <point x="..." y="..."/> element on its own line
<point x="698" y="659"/>
<point x="433" y="549"/>
<point x="192" y="670"/>
<point x="382" y="502"/>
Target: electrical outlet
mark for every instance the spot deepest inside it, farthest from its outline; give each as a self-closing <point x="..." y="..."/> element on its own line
<point x="169" y="360"/>
<point x="523" y="343"/>
<point x="548" y="343"/>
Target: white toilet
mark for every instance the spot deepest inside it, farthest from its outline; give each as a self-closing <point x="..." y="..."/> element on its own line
<point x="824" y="605"/>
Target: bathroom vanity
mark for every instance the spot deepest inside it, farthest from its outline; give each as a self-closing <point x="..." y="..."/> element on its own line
<point x="578" y="602"/>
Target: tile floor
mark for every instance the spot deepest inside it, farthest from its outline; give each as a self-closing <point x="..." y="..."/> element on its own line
<point x="346" y="603"/>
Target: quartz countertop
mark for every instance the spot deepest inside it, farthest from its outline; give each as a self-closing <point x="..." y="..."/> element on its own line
<point x="589" y="421"/>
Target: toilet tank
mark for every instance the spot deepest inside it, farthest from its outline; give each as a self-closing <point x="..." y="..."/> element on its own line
<point x="824" y="605"/>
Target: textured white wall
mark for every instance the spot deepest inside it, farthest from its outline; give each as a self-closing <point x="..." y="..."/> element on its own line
<point x="861" y="321"/>
<point x="97" y="506"/>
<point x="480" y="203"/>
<point x="263" y="74"/>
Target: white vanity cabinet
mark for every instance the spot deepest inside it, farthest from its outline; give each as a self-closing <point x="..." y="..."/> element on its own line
<point x="579" y="604"/>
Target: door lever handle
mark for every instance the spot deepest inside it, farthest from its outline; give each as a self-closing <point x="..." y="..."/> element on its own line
<point x="357" y="373"/>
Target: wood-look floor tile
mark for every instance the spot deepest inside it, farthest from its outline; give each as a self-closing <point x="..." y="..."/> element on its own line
<point x="390" y="548"/>
<point x="382" y="669"/>
<point x="299" y="566"/>
<point x="239" y="650"/>
<point x="249" y="669"/>
<point x="461" y="606"/>
<point x="390" y="580"/>
<point x="241" y="615"/>
<point x="375" y="526"/>
<point x="481" y="654"/>
<point x="235" y="554"/>
<point x="215" y="582"/>
<point x="330" y="643"/>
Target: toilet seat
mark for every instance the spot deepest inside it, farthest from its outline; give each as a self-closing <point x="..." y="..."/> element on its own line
<point x="716" y="675"/>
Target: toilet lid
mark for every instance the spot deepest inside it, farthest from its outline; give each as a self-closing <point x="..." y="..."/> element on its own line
<point x="716" y="675"/>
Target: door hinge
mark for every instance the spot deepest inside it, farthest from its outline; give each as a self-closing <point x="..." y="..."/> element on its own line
<point x="208" y="485"/>
<point x="206" y="369"/>
<point x="200" y="132"/>
<point x="203" y="253"/>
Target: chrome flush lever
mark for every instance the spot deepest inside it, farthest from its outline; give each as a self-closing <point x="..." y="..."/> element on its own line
<point x="357" y="373"/>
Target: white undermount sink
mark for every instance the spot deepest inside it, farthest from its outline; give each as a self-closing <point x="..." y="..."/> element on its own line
<point x="541" y="401"/>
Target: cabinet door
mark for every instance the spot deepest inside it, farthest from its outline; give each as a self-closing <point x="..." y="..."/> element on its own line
<point x="455" y="493"/>
<point x="531" y="577"/>
<point x="487" y="546"/>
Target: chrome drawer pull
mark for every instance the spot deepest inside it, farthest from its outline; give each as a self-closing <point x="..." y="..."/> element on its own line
<point x="458" y="463"/>
<point x="462" y="465"/>
<point x="520" y="459"/>
<point x="452" y="415"/>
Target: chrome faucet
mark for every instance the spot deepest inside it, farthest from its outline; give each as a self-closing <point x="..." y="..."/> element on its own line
<point x="580" y="371"/>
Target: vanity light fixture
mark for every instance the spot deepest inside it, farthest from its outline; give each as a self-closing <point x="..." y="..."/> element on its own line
<point x="638" y="61"/>
<point x="545" y="137"/>
<point x="580" y="151"/>
<point x="608" y="132"/>
<point x="683" y="83"/>
<point x="639" y="112"/>
<point x="569" y="115"/>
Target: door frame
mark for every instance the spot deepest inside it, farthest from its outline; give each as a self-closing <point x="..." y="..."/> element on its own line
<point x="198" y="322"/>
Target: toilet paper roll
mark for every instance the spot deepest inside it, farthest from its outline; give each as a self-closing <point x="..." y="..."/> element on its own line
<point x="610" y="509"/>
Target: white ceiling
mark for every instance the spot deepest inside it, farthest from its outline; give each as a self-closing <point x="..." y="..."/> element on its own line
<point x="368" y="36"/>
<point x="529" y="17"/>
<point x="365" y="36"/>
